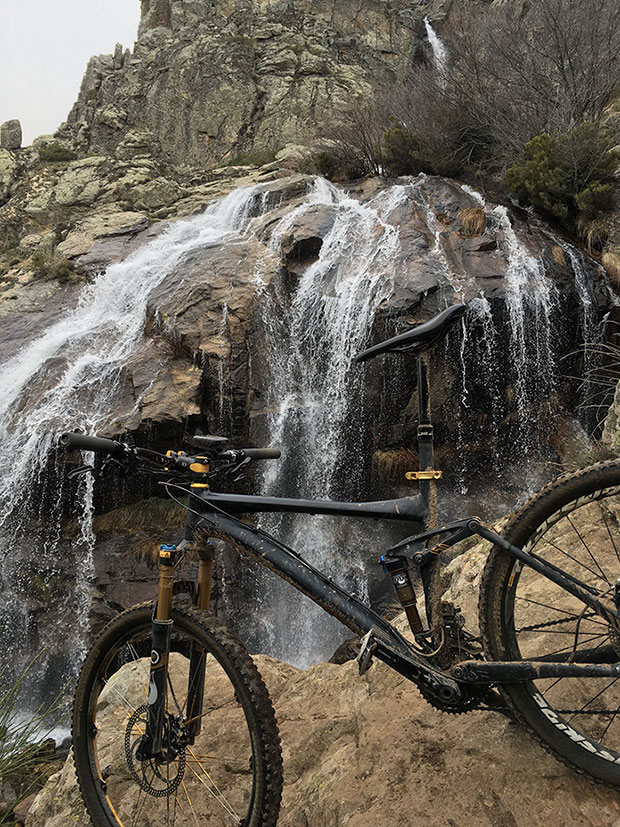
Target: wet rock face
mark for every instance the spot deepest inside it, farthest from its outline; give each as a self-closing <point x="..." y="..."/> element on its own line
<point x="178" y="370"/>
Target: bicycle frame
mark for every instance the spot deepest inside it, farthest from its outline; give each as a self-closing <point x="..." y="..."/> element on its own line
<point x="392" y="647"/>
<point x="213" y="514"/>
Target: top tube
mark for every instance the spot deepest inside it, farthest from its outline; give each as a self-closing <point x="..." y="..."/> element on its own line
<point x="404" y="508"/>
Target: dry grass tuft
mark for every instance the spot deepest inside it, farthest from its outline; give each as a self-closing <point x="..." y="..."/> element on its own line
<point x="611" y="262"/>
<point x="558" y="255"/>
<point x="472" y="221"/>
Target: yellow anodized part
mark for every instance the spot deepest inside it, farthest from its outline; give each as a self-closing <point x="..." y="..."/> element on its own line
<point x="423" y="475"/>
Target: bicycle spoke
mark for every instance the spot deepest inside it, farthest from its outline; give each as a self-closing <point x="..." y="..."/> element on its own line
<point x="570" y="648"/>
<point x="215" y="792"/>
<point x="594" y="697"/>
<point x="143" y="795"/>
<point x="570" y="615"/>
<point x="594" y="560"/>
<point x="574" y="559"/>
<point x="189" y="801"/>
<point x="609" y="723"/>
<point x="613" y="542"/>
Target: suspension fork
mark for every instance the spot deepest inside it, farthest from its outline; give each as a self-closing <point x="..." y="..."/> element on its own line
<point x="151" y="743"/>
<point x="198" y="655"/>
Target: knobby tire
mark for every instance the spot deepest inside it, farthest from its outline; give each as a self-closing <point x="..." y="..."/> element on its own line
<point x="229" y="776"/>
<point x="574" y="522"/>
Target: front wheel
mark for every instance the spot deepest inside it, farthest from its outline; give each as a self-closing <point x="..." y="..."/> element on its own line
<point x="573" y="523"/>
<point x="228" y="774"/>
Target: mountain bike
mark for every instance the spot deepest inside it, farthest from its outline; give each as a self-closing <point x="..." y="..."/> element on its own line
<point x="172" y="722"/>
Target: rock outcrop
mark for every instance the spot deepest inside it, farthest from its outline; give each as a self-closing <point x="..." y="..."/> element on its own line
<point x="11" y="135"/>
<point x="209" y="80"/>
<point x="369" y="752"/>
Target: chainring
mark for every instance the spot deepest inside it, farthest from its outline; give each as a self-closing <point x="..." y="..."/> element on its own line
<point x="471" y="698"/>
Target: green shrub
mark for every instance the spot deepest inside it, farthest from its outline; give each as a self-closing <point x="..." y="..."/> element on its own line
<point x="47" y="266"/>
<point x="21" y="756"/>
<point x="56" y="152"/>
<point x="325" y="165"/>
<point x="568" y="175"/>
<point x="436" y="143"/>
<point x="403" y="151"/>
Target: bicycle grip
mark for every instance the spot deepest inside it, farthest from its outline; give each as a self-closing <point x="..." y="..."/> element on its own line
<point x="91" y="443"/>
<point x="262" y="453"/>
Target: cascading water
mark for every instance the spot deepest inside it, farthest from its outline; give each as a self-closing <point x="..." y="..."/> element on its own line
<point x="69" y="377"/>
<point x="313" y="337"/>
<point x="316" y="406"/>
<point x="530" y="371"/>
<point x="440" y="53"/>
<point x="530" y="299"/>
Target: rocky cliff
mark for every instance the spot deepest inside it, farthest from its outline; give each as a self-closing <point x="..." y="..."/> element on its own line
<point x="210" y="80"/>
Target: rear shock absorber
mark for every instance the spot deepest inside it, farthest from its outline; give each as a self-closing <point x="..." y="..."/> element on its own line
<point x="399" y="572"/>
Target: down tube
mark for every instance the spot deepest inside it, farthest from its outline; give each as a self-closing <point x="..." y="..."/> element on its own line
<point x="271" y="554"/>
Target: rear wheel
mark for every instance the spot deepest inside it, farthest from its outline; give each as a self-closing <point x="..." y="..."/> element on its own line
<point x="229" y="774"/>
<point x="573" y="523"/>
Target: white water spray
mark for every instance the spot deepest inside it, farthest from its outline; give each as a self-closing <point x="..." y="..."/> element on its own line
<point x="313" y="328"/>
<point x="69" y="378"/>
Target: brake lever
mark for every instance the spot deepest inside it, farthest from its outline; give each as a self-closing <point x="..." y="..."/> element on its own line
<point x="238" y="467"/>
<point x="80" y="470"/>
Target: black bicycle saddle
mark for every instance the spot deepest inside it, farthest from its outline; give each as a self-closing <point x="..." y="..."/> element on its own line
<point x="421" y="338"/>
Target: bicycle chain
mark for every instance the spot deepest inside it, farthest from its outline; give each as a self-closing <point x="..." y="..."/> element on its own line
<point x="505" y="709"/>
<point x="551" y="623"/>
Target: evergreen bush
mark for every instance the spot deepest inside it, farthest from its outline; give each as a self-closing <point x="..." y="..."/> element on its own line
<point x="56" y="152"/>
<point x="568" y="175"/>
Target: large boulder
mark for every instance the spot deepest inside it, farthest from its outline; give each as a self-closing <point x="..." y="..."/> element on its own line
<point x="11" y="135"/>
<point x="8" y="174"/>
<point x="369" y="752"/>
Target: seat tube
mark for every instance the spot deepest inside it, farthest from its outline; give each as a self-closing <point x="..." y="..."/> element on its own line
<point x="428" y="488"/>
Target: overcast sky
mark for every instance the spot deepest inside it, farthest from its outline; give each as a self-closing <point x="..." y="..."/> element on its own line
<point x="44" y="49"/>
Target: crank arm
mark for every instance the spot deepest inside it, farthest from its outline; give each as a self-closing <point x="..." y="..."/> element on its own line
<point x="474" y="671"/>
<point x="419" y="672"/>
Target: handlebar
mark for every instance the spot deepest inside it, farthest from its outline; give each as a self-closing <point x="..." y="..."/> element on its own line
<point x="172" y="461"/>
<point x="91" y="443"/>
<point x="258" y="453"/>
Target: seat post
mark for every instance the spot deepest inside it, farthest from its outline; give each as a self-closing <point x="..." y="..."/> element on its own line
<point x="428" y="488"/>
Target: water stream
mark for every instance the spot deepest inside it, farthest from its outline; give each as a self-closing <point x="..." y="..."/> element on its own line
<point x="317" y="407"/>
<point x="440" y="53"/>
<point x="69" y="378"/>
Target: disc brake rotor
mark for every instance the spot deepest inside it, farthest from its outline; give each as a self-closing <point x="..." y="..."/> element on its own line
<point x="147" y="773"/>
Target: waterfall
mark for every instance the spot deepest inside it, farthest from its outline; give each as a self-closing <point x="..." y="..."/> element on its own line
<point x="69" y="377"/>
<point x="314" y="390"/>
<point x="440" y="53"/>
<point x="530" y="298"/>
<point x="314" y="402"/>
